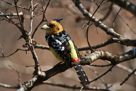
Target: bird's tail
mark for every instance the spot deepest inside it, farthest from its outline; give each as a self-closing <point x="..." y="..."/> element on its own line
<point x="81" y="73"/>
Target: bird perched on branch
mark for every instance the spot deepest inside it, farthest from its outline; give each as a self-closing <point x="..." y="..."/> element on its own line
<point x="63" y="47"/>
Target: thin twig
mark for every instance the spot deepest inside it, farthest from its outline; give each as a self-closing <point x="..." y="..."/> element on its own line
<point x="102" y="74"/>
<point x="9" y="86"/>
<point x="109" y="31"/>
<point x="126" y="4"/>
<point x="37" y="28"/>
<point x="11" y="21"/>
<point x="13" y="53"/>
<point x="21" y="23"/>
<point x="14" y="5"/>
<point x="108" y="13"/>
<point x="126" y="42"/>
<point x="32" y="15"/>
<point x="87" y="30"/>
<point x="127" y="25"/>
<point x="102" y="80"/>
<point x="87" y="60"/>
<point x="11" y="14"/>
<point x="129" y="75"/>
<point x="88" y="25"/>
<point x="124" y="68"/>
<point x="101" y="65"/>
<point x="116" y="17"/>
<point x="43" y="19"/>
<point x="75" y="87"/>
<point x="41" y="47"/>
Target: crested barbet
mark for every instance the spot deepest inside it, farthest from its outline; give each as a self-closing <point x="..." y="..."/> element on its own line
<point x="63" y="47"/>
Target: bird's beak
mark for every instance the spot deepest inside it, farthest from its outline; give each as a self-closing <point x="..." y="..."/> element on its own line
<point x="46" y="27"/>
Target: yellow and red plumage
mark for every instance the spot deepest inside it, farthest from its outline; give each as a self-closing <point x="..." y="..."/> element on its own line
<point x="63" y="47"/>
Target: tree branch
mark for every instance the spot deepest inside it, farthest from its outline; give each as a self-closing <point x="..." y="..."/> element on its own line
<point x="32" y="15"/>
<point x="125" y="68"/>
<point x="14" y="5"/>
<point x="9" y="86"/>
<point x="113" y="58"/>
<point x="42" y="76"/>
<point x="87" y="60"/>
<point x="43" y="18"/>
<point x="126" y="4"/>
<point x="75" y="87"/>
<point x="11" y="14"/>
<point x="129" y="75"/>
<point x="109" y="31"/>
<point x="127" y="42"/>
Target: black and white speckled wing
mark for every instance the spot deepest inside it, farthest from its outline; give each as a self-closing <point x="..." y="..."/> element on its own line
<point x="59" y="45"/>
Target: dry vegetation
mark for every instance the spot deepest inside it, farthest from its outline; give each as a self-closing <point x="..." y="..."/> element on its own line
<point x="103" y="30"/>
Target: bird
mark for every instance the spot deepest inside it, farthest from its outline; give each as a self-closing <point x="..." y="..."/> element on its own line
<point x="63" y="47"/>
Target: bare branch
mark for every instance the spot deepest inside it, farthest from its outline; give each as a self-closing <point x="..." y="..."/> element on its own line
<point x="11" y="21"/>
<point x="88" y="25"/>
<point x="108" y="13"/>
<point x="75" y="87"/>
<point x="43" y="18"/>
<point x="125" y="68"/>
<point x="127" y="42"/>
<point x="127" y="24"/>
<point x="27" y="38"/>
<point x="114" y="59"/>
<point x="126" y="4"/>
<point x="97" y="23"/>
<point x="8" y="86"/>
<point x="116" y="17"/>
<point x="11" y="14"/>
<point x="19" y="18"/>
<point x="129" y="75"/>
<point x="41" y="46"/>
<point x="3" y="56"/>
<point x="87" y="30"/>
<point x="14" y="5"/>
<point x="87" y="60"/>
<point x="102" y="80"/>
<point x="106" y="65"/>
<point x="49" y="73"/>
<point x="32" y="15"/>
<point x="42" y="76"/>
<point x="23" y="88"/>
<point x="102" y="74"/>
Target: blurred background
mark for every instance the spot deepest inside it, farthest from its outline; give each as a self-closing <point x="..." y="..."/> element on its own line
<point x="74" y="24"/>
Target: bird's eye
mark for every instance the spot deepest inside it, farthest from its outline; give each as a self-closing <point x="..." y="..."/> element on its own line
<point x="51" y="25"/>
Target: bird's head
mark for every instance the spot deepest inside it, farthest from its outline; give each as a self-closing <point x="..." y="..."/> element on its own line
<point x="53" y="27"/>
